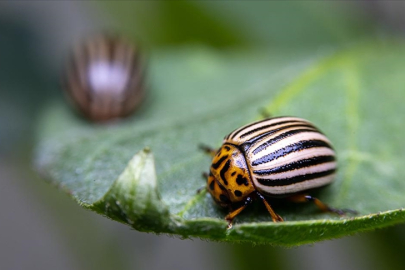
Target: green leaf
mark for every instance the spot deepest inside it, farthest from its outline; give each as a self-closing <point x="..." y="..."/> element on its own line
<point x="355" y="95"/>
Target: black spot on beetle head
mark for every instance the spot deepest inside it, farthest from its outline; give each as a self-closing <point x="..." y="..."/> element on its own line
<point x="240" y="180"/>
<point x="212" y="184"/>
<point x="224" y="199"/>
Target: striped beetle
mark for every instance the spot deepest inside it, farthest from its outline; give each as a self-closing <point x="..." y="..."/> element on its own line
<point x="104" y="78"/>
<point x="276" y="157"/>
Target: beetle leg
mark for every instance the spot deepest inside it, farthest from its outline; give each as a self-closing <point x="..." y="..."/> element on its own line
<point x="230" y="217"/>
<point x="211" y="151"/>
<point x="201" y="189"/>
<point x="275" y="217"/>
<point x="205" y="175"/>
<point x="321" y="205"/>
<point x="233" y="214"/>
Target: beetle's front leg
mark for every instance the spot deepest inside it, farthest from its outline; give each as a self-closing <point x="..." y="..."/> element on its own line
<point x="231" y="216"/>
<point x="205" y="175"/>
<point x="209" y="150"/>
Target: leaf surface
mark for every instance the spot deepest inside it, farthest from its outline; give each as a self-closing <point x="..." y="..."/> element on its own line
<point x="144" y="171"/>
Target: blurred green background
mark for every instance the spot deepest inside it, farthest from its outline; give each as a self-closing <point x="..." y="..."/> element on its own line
<point x="41" y="228"/>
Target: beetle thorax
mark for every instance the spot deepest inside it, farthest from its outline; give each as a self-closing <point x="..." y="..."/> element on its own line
<point x="229" y="181"/>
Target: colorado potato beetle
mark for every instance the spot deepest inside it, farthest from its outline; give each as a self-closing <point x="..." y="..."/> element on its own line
<point x="104" y="77"/>
<point x="277" y="157"/>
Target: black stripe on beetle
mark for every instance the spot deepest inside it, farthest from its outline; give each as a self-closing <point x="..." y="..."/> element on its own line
<point x="303" y="163"/>
<point x="239" y="130"/>
<point x="290" y="149"/>
<point x="275" y="124"/>
<point x="295" y="179"/>
<point x="267" y="133"/>
<point x="281" y="137"/>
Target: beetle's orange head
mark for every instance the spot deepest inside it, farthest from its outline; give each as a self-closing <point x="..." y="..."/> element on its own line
<point x="229" y="179"/>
